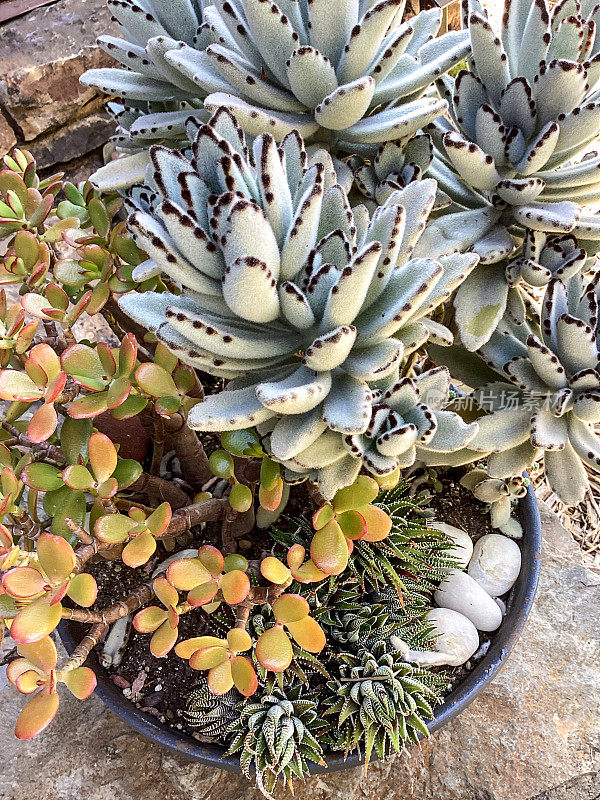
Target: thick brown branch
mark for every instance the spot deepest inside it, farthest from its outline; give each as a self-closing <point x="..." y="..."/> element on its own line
<point x="45" y="450"/>
<point x="227" y="537"/>
<point x="188" y="449"/>
<point x="85" y="646"/>
<point x="153" y="486"/>
<point x="185" y="518"/>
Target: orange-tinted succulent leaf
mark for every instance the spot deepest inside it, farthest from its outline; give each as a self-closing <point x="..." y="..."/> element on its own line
<point x="155" y="380"/>
<point x="186" y="573"/>
<point x="353" y="524"/>
<point x="16" y="668"/>
<point x="238" y="640"/>
<point x="188" y="647"/>
<point x="166" y="593"/>
<point x="42" y="424"/>
<point x="113" y="528"/>
<point x="83" y="589"/>
<point x="212" y="559"/>
<point x="78" y="477"/>
<point x="88" y="406"/>
<point x="329" y="549"/>
<point x="80" y="681"/>
<point x="235" y="586"/>
<point x="127" y="354"/>
<point x="23" y="582"/>
<point x="290" y="608"/>
<point x="309" y="573"/>
<point x="295" y="556"/>
<point x="220" y="679"/>
<point x="28" y="681"/>
<point x="274" y="650"/>
<point x="208" y="657"/>
<point x="35" y="621"/>
<point x="322" y="516"/>
<point x="16" y="385"/>
<point x="244" y="676"/>
<point x="308" y="634"/>
<point x="273" y="570"/>
<point x="163" y="640"/>
<point x="149" y="619"/>
<point x="41" y="654"/>
<point x="42" y="477"/>
<point x="379" y="524"/>
<point x="202" y="594"/>
<point x="270" y="499"/>
<point x="56" y="556"/>
<point x="102" y="455"/>
<point x="38" y="713"/>
<point x="362" y="492"/>
<point x="389" y="481"/>
<point x="159" y="520"/>
<point x="139" y="550"/>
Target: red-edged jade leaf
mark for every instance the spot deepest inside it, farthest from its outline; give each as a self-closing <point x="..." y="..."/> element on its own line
<point x="113" y="528"/>
<point x="274" y="650"/>
<point x="362" y="492"/>
<point x="238" y="640"/>
<point x="220" y="679"/>
<point x="186" y="573"/>
<point x="42" y="424"/>
<point x="244" y="676"/>
<point x="35" y="621"/>
<point x="379" y="524"/>
<point x="208" y="657"/>
<point x="137" y="551"/>
<point x="149" y="619"/>
<point x="163" y="640"/>
<point x="329" y="549"/>
<point x="83" y="589"/>
<point x="56" y="557"/>
<point x="78" y="477"/>
<point x="23" y="582"/>
<point x="41" y="654"/>
<point x="15" y="385"/>
<point x="38" y="713"/>
<point x="212" y="559"/>
<point x="322" y="516"/>
<point x="353" y="524"/>
<point x="308" y="634"/>
<point x="188" y="647"/>
<point x="103" y="456"/>
<point x="273" y="570"/>
<point x="271" y="498"/>
<point x="290" y="608"/>
<point x="167" y="594"/>
<point x="202" y="594"/>
<point x="155" y="381"/>
<point x="80" y="681"/>
<point x="235" y="586"/>
<point x="42" y="477"/>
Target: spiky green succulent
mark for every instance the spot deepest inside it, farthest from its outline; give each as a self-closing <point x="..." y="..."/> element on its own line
<point x="520" y="118"/>
<point x="349" y="73"/>
<point x="278" y="737"/>
<point x="306" y="305"/>
<point x="412" y="558"/>
<point x="379" y="702"/>
<point x="210" y="714"/>
<point x="538" y="380"/>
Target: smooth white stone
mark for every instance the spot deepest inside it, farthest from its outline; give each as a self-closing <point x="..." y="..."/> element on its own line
<point x="495" y="564"/>
<point x="462" y="593"/>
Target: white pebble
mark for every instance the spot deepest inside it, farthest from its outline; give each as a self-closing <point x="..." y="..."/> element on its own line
<point x="463" y="546"/>
<point x="456" y="636"/>
<point x="495" y="564"/>
<point x="462" y="593"/>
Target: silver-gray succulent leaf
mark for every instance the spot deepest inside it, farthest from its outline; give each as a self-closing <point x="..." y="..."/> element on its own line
<point x="350" y="74"/>
<point x="305" y="305"/>
<point x="539" y="382"/>
<point x="394" y="166"/>
<point x="499" y="494"/>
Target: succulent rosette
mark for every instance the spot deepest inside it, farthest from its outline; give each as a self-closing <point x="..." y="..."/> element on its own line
<point x="305" y="305"/>
<point x="539" y="384"/>
<point x="520" y="119"/>
<point x="351" y="74"/>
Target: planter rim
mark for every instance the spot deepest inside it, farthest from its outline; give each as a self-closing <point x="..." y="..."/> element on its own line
<point x="518" y="607"/>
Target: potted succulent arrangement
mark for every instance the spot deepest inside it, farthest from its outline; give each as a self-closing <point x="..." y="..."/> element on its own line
<point x="322" y="219"/>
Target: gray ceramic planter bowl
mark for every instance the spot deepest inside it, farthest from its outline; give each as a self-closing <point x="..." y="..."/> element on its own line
<point x="518" y="608"/>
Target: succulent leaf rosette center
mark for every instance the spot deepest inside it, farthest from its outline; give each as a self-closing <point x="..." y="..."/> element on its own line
<point x="305" y="305"/>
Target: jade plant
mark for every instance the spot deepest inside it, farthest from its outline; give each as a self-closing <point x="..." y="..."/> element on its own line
<point x="350" y="75"/>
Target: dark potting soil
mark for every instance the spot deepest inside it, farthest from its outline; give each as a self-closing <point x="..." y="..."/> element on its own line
<point x="160" y="686"/>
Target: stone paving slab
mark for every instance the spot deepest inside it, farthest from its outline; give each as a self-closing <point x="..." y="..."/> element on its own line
<point x="537" y="727"/>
